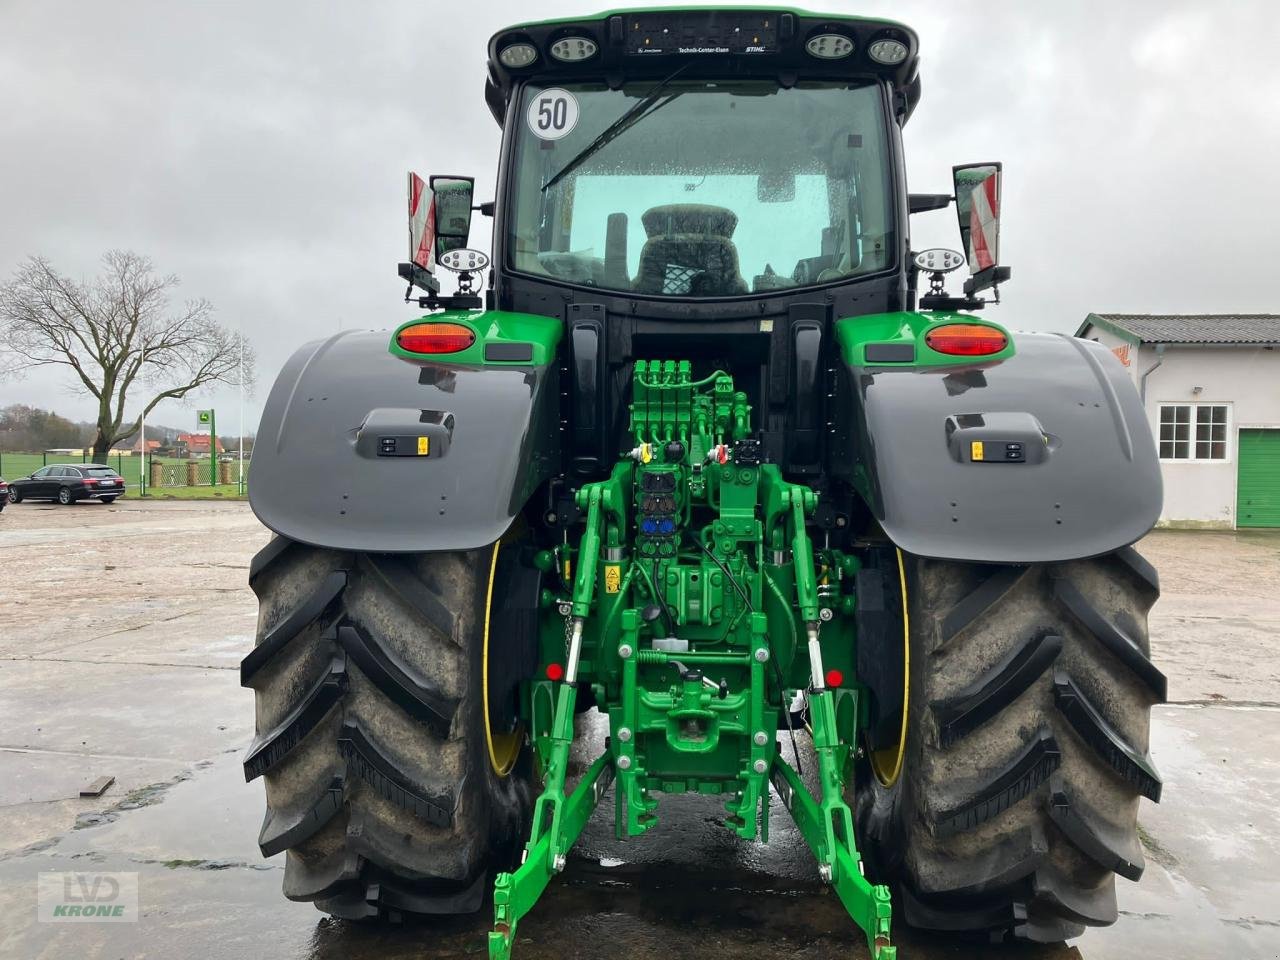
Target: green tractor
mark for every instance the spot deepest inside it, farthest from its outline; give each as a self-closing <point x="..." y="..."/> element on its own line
<point x="713" y="452"/>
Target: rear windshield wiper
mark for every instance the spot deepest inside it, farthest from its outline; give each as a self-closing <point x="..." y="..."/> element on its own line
<point x="648" y="105"/>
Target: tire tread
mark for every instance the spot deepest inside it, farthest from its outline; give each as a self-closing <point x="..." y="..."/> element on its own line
<point x="1027" y="752"/>
<point x="379" y="792"/>
<point x="1112" y="637"/>
<point x="270" y="748"/>
<point x="961" y="714"/>
<point x="1012" y="784"/>
<point x="989" y="592"/>
<point x="395" y="575"/>
<point x="1077" y="824"/>
<point x="416" y="697"/>
<point x="1131" y="764"/>
<point x="369" y="763"/>
<point x="279" y="834"/>
<point x="311" y="609"/>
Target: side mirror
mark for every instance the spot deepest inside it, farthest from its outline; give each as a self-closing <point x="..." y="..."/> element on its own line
<point x="977" y="187"/>
<point x="453" y="211"/>
<point x="439" y="221"/>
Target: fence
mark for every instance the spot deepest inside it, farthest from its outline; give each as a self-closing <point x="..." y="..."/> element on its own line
<point x="191" y="473"/>
<point x="163" y="472"/>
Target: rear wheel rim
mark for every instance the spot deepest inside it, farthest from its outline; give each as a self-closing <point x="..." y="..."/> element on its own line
<point x="503" y="748"/>
<point x="886" y="764"/>
<point x="64" y="495"/>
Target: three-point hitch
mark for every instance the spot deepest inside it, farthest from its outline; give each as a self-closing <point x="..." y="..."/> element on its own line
<point x="692" y="583"/>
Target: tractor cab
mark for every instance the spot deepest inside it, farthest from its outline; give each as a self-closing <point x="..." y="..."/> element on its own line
<point x="719" y="186"/>
<point x="702" y="164"/>
<point x="774" y="174"/>
<point x="699" y="189"/>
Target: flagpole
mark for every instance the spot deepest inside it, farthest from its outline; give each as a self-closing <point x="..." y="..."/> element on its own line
<point x="240" y="467"/>
<point x="142" y="468"/>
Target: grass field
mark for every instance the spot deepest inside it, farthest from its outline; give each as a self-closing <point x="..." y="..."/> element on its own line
<point x="227" y="491"/>
<point x="14" y="465"/>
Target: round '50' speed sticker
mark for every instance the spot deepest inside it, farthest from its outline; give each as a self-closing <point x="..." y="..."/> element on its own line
<point x="552" y="113"/>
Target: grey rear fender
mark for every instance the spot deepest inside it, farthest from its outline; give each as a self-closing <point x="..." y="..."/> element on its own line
<point x="323" y="472"/>
<point x="1088" y="481"/>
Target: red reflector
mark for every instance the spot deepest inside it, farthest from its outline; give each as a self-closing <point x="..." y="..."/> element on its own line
<point x="435" y="338"/>
<point x="555" y="671"/>
<point x="966" y="339"/>
<point x="834" y="678"/>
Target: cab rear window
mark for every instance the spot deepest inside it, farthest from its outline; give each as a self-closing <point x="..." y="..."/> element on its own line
<point x="737" y="187"/>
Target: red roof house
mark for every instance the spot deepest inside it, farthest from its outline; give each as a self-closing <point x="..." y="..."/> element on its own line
<point x="197" y="443"/>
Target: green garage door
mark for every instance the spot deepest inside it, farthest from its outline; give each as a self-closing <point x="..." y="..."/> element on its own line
<point x="1258" y="486"/>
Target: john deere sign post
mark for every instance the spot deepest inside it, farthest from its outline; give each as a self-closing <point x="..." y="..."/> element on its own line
<point x="206" y="419"/>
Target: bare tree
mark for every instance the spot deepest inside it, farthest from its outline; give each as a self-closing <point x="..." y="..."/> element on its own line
<point x="116" y="332"/>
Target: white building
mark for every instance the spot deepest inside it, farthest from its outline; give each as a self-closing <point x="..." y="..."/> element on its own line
<point x="1211" y="388"/>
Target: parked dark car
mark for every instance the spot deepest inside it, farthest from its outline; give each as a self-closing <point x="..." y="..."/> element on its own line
<point x="67" y="483"/>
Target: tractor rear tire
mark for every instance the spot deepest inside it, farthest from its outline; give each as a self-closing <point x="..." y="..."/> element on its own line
<point x="371" y="735"/>
<point x="1025" y="756"/>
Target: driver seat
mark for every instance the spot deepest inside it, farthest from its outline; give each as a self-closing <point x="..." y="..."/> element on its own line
<point x="689" y="252"/>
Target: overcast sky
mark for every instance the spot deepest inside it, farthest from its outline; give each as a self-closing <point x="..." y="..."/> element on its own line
<point x="258" y="150"/>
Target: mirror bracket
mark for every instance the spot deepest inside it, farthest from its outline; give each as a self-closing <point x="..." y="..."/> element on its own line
<point x="943" y="302"/>
<point x="456" y="302"/>
<point x="988" y="279"/>
<point x="417" y="277"/>
<point x="922" y="202"/>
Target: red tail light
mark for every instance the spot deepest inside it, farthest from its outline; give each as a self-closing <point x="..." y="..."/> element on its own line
<point x="966" y="339"/>
<point x="435" y="338"/>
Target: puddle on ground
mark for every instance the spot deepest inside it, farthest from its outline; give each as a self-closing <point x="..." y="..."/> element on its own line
<point x="688" y="886"/>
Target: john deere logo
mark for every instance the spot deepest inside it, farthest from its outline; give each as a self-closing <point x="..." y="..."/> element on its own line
<point x="87" y="898"/>
<point x="204" y="417"/>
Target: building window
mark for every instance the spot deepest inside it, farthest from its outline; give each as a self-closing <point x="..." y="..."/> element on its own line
<point x="1193" y="431"/>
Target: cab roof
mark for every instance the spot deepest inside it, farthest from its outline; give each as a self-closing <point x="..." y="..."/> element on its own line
<point x="704" y="42"/>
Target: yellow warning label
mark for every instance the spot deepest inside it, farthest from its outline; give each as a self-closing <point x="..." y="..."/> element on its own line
<point x="612" y="577"/>
<point x="975" y="450"/>
<point x="424" y="446"/>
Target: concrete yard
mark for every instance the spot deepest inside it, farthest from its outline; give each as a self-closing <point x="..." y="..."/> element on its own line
<point x="121" y="628"/>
